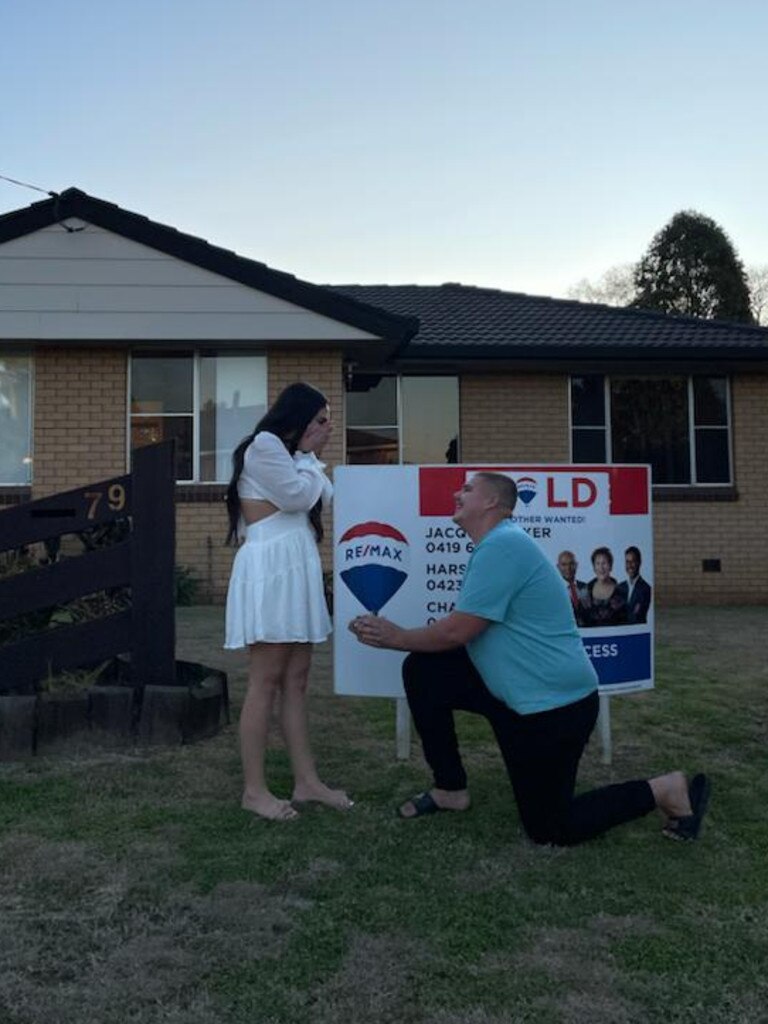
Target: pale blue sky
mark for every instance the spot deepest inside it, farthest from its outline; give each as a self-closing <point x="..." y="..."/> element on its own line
<point x="520" y="145"/>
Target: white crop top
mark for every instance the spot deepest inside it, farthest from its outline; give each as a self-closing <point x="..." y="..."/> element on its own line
<point x="291" y="483"/>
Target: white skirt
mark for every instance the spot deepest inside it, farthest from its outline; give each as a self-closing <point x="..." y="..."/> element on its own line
<point x="276" y="593"/>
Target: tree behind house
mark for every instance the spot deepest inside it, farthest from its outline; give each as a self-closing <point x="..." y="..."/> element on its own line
<point x="616" y="287"/>
<point x="692" y="268"/>
<point x="757" y="277"/>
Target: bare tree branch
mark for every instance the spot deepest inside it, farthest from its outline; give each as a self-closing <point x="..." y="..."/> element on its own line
<point x="616" y="287"/>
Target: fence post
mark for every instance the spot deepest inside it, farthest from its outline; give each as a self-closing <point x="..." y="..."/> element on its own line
<point x="153" y="556"/>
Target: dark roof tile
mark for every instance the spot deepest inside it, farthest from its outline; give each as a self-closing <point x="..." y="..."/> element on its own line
<point x="486" y="321"/>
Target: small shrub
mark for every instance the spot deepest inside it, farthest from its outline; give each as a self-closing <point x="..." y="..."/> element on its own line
<point x="71" y="683"/>
<point x="186" y="585"/>
<point x="14" y="562"/>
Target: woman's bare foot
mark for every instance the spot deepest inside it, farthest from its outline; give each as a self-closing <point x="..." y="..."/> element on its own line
<point x="671" y="795"/>
<point x="265" y="805"/>
<point x="319" y="793"/>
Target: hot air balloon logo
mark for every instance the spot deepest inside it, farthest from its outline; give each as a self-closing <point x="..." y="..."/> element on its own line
<point x="374" y="563"/>
<point x="526" y="489"/>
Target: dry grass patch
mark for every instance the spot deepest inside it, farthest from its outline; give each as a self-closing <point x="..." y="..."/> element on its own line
<point x="378" y="981"/>
<point x="579" y="965"/>
<point x="88" y="939"/>
<point x="719" y="639"/>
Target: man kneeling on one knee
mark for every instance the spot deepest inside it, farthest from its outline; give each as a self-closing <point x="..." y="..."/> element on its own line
<point x="511" y="651"/>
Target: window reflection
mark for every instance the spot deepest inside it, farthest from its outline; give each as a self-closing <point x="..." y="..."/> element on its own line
<point x="710" y="401"/>
<point x="161" y="384"/>
<point x="233" y="398"/>
<point x="15" y="420"/>
<point x="649" y="423"/>
<point x="372" y="447"/>
<point x="588" y="401"/>
<point x="231" y="392"/>
<point x="153" y="429"/>
<point x="430" y="419"/>
<point x="372" y="400"/>
<point x="678" y="424"/>
<point x="425" y="431"/>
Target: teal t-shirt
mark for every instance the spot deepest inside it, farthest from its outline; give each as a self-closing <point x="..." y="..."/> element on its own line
<point x="531" y="655"/>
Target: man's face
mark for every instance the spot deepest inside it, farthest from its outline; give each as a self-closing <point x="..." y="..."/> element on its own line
<point x="567" y="565"/>
<point x="632" y="564"/>
<point x="471" y="502"/>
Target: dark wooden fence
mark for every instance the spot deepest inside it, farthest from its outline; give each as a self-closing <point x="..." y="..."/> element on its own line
<point x="144" y="561"/>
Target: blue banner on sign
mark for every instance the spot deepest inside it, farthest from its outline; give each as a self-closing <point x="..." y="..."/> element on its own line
<point x="620" y="659"/>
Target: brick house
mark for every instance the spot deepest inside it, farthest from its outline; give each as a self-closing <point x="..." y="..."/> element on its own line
<point x="116" y="330"/>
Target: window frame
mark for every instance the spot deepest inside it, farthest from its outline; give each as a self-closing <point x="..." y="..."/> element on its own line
<point x="693" y="483"/>
<point x="196" y="355"/>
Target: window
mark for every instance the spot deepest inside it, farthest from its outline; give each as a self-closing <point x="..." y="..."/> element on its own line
<point x="15" y="419"/>
<point x="680" y="425"/>
<point x="372" y="434"/>
<point x="408" y="420"/>
<point x="207" y="403"/>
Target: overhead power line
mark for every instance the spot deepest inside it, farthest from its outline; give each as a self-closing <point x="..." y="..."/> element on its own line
<point x="25" y="184"/>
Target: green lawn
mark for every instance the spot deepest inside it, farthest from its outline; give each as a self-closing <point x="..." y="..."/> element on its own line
<point x="134" y="889"/>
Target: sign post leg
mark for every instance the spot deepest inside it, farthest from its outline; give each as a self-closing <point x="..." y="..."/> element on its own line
<point x="604" y="727"/>
<point x="402" y="729"/>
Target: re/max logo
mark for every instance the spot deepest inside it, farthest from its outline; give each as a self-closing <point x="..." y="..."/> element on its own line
<point x="373" y="551"/>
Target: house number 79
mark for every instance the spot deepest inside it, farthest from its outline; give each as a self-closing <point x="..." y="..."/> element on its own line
<point x="115" y="499"/>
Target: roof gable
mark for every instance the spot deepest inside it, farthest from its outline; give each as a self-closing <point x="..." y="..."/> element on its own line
<point x="73" y="203"/>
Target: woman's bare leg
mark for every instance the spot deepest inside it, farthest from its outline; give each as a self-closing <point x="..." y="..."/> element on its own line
<point x="266" y="670"/>
<point x="293" y="719"/>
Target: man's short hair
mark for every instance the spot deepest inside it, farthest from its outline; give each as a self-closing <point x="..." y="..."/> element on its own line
<point x="503" y="487"/>
<point x="632" y="550"/>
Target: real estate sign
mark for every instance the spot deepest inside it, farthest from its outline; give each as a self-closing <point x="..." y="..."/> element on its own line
<point x="399" y="553"/>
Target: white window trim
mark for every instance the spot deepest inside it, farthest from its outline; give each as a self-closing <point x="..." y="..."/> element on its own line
<point x="195" y="415"/>
<point x="691" y="436"/>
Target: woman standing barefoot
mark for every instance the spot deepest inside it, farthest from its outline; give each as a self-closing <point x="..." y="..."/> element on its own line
<point x="276" y="603"/>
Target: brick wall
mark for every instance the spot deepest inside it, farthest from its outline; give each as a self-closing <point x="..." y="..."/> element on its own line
<point x="686" y="533"/>
<point x="79" y="417"/>
<point x="514" y="418"/>
<point x="80" y="436"/>
<point x="200" y="531"/>
<point x="325" y="371"/>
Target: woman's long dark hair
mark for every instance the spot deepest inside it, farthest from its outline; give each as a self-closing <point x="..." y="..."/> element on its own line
<point x="295" y="408"/>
